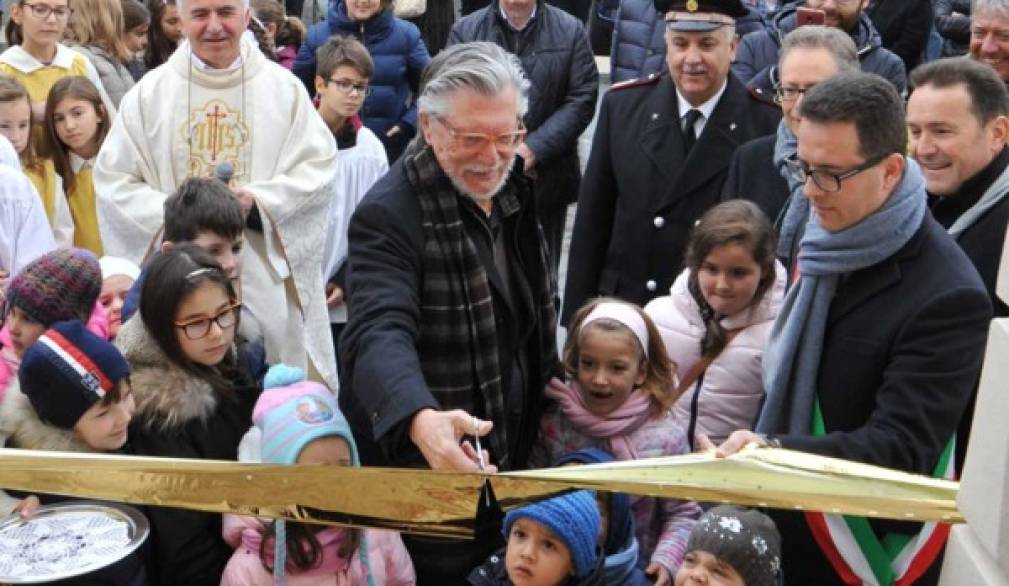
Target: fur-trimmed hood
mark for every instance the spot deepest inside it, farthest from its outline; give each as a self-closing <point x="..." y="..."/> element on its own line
<point x="21" y="427"/>
<point x="166" y="395"/>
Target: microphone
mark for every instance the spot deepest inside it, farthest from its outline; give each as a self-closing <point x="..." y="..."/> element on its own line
<point x="224" y="171"/>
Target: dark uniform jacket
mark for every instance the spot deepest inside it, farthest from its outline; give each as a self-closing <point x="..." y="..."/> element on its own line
<point x="901" y="354"/>
<point x="641" y="195"/>
<point x="752" y="176"/>
<point x="564" y="84"/>
<point x="904" y="26"/>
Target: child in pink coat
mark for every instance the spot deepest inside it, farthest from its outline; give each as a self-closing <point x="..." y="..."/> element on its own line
<point x="617" y="399"/>
<point x="301" y="424"/>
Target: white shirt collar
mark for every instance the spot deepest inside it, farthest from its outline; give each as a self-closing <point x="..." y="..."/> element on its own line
<point x="77" y="163"/>
<point x="706" y="108"/>
<point x="21" y="60"/>
<point x="531" y="16"/>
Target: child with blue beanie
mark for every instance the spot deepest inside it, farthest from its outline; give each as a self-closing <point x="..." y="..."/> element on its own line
<point x="550" y="543"/>
<point x="620" y="546"/>
<point x="300" y="423"/>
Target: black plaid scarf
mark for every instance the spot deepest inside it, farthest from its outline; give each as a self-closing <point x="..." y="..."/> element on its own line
<point x="458" y="343"/>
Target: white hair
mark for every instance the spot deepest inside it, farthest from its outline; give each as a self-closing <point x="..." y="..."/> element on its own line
<point x="482" y="67"/>
<point x="1000" y="7"/>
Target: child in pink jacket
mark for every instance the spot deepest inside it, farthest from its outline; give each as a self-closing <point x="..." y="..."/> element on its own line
<point x="301" y="424"/>
<point x="617" y="398"/>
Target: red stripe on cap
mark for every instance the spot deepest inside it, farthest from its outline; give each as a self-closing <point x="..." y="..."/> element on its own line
<point x="82" y="358"/>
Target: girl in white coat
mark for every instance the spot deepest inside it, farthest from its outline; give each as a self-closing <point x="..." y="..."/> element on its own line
<point x="717" y="318"/>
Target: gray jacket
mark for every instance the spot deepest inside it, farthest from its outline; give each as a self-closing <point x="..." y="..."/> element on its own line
<point x="114" y="75"/>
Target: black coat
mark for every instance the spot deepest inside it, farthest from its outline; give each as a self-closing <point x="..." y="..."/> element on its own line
<point x="564" y="84"/>
<point x="641" y="196"/>
<point x="901" y="355"/>
<point x="952" y="22"/>
<point x="904" y="26"/>
<point x="752" y="176"/>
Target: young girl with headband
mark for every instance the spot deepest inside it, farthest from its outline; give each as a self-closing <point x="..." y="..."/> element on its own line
<point x="617" y="398"/>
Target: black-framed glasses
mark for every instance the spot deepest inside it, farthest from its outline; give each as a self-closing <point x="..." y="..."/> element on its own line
<point x="44" y="10"/>
<point x="198" y="328"/>
<point x="475" y="141"/>
<point x="346" y="86"/>
<point x="825" y="180"/>
<point x="789" y="94"/>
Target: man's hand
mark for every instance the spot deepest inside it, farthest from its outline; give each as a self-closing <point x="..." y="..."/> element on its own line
<point x="334" y="295"/>
<point x="438" y="434"/>
<point x="735" y="442"/>
<point x="528" y="157"/>
<point x="659" y="574"/>
<point x="245" y="199"/>
<point x="26" y="508"/>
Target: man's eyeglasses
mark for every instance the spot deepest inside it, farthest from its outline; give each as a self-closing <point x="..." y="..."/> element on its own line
<point x="476" y="141"/>
<point x="825" y="180"/>
<point x="789" y="94"/>
<point x="200" y="327"/>
<point x="44" y="10"/>
<point x="346" y="86"/>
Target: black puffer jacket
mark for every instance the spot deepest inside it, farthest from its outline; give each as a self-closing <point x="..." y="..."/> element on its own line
<point x="564" y="84"/>
<point x="756" y="62"/>
<point x="952" y="22"/>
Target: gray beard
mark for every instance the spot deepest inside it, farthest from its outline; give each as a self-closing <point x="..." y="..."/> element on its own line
<point x="478" y="198"/>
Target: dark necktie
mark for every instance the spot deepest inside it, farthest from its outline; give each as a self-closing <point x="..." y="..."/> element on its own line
<point x="689" y="137"/>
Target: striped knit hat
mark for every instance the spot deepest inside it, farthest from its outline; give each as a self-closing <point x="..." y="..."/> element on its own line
<point x="60" y="285"/>
<point x="67" y="370"/>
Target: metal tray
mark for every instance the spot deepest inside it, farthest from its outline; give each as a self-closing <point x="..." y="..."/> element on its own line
<point x="68" y="539"/>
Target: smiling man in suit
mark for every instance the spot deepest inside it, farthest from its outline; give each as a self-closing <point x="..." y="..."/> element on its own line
<point x="659" y="157"/>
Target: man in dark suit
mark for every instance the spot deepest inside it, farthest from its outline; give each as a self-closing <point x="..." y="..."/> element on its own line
<point x="876" y="353"/>
<point x="659" y="157"/>
<point x="959" y="127"/>
<point x="809" y="55"/>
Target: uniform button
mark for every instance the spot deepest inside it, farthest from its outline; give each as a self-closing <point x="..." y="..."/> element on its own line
<point x="659" y="221"/>
<point x="651" y="285"/>
<point x="651" y="51"/>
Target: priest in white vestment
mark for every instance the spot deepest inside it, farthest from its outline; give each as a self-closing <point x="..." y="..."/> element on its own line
<point x="219" y="99"/>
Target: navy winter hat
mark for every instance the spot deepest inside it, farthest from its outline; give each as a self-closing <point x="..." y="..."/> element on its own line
<point x="67" y="370"/>
<point x="574" y="518"/>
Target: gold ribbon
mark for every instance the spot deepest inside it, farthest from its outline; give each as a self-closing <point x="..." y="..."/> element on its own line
<point x="445" y="503"/>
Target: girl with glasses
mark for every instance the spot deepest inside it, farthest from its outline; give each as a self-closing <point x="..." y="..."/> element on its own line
<point x="36" y="56"/>
<point x="193" y="392"/>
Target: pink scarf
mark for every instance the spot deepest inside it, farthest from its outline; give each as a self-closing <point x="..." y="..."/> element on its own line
<point x="614" y="427"/>
<point x="330" y="539"/>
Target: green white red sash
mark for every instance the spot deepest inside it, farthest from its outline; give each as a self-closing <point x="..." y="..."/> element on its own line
<point x="859" y="557"/>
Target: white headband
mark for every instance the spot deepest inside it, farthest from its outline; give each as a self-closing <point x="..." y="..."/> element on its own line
<point x="625" y="314"/>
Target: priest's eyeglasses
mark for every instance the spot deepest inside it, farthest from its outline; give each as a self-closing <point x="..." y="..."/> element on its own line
<point x="825" y="180"/>
<point x="346" y="86"/>
<point x="198" y="328"/>
<point x="475" y="141"/>
<point x="44" y="10"/>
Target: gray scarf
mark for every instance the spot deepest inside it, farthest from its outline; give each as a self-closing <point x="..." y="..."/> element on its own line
<point x="796" y="212"/>
<point x="792" y="358"/>
<point x="995" y="193"/>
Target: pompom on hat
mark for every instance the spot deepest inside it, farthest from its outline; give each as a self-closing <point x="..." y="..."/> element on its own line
<point x="57" y="286"/>
<point x="574" y="518"/>
<point x="67" y="370"/>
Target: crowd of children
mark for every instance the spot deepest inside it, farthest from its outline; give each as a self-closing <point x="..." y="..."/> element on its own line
<point x="100" y="355"/>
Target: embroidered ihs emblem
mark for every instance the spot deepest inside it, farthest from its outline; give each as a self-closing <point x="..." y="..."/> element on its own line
<point x="216" y="132"/>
